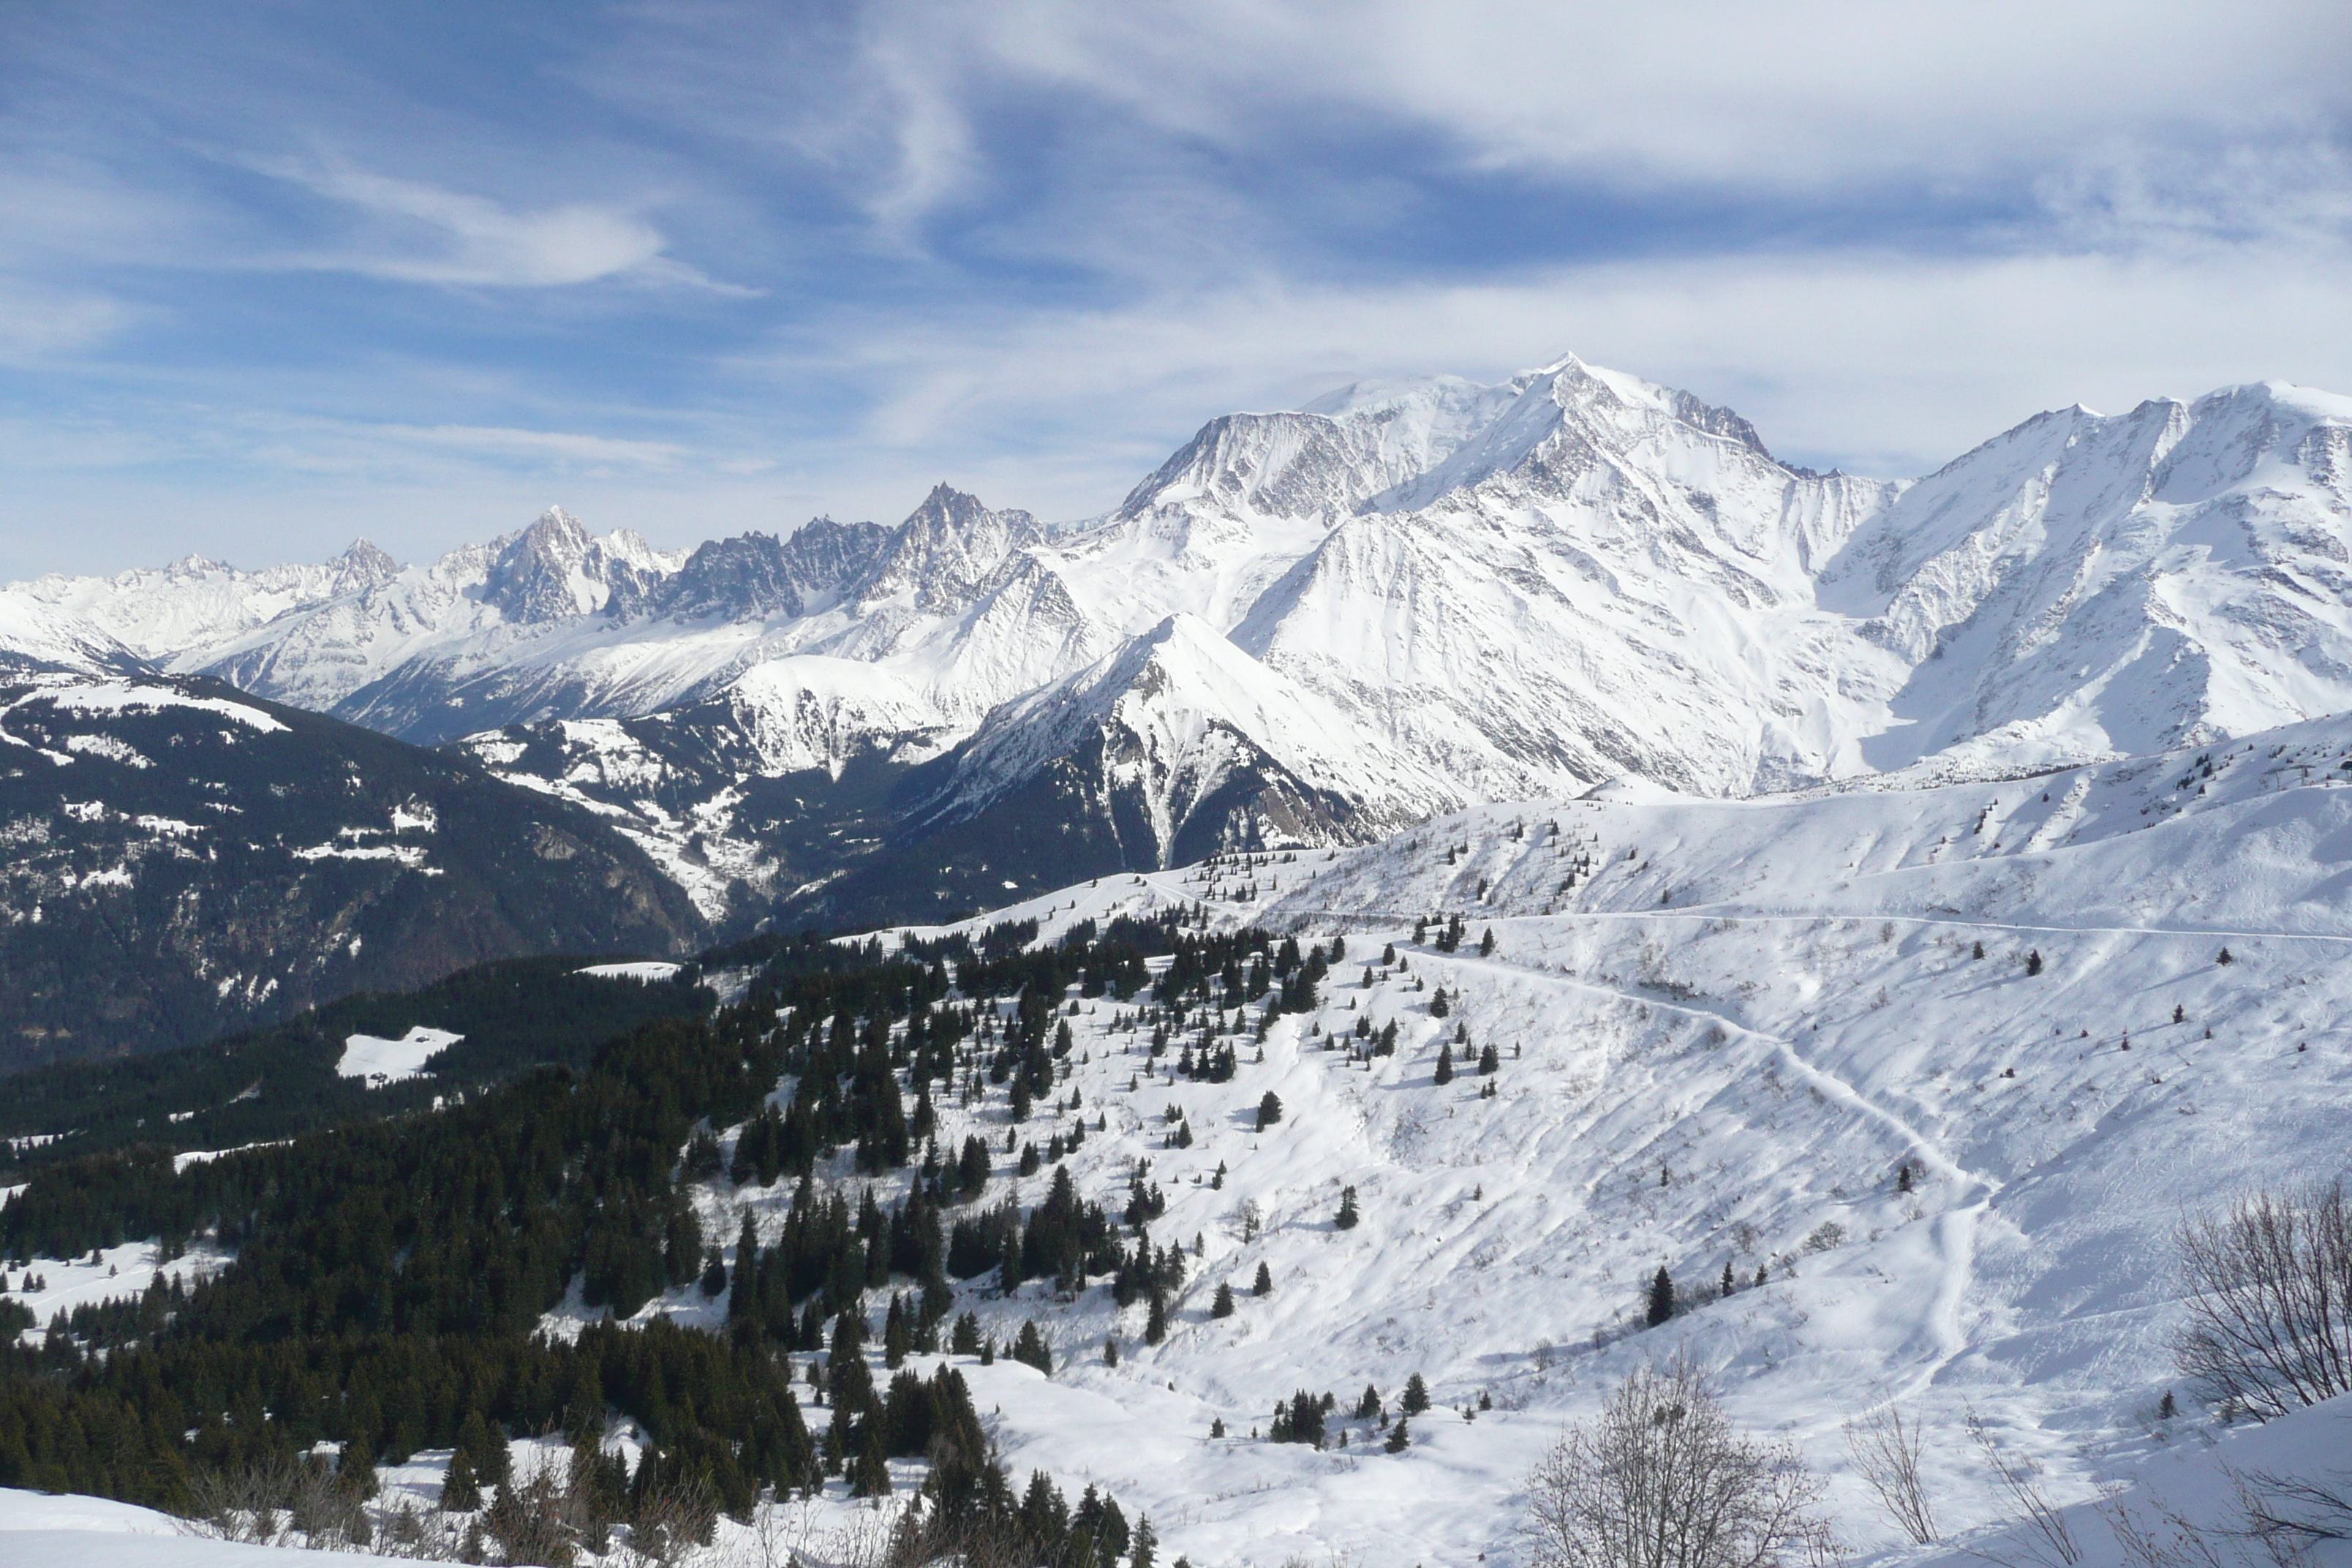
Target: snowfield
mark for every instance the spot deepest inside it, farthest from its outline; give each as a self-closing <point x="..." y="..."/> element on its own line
<point x="383" y="1061"/>
<point x="1802" y="1036"/>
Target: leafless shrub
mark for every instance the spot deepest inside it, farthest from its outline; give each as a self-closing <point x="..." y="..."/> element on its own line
<point x="1660" y="1479"/>
<point x="2286" y="1516"/>
<point x="2045" y="1539"/>
<point x="2269" y="1300"/>
<point x="279" y="1500"/>
<point x="1826" y="1237"/>
<point x="1885" y="1449"/>
<point x="2161" y="1537"/>
<point x="674" y="1520"/>
<point x="546" y="1520"/>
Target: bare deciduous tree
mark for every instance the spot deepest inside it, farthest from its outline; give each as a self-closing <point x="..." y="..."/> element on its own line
<point x="1885" y="1449"/>
<point x="2045" y="1539"/>
<point x="2270" y="1299"/>
<point x="1660" y="1479"/>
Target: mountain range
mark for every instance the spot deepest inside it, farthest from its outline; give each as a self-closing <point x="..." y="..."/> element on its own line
<point x="1313" y="628"/>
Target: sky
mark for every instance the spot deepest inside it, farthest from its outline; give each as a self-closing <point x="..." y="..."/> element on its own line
<point x="277" y="273"/>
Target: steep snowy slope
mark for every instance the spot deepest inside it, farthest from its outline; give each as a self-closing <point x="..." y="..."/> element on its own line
<point x="2086" y="586"/>
<point x="1932" y="1073"/>
<point x="1957" y="1174"/>
<point x="1176" y="734"/>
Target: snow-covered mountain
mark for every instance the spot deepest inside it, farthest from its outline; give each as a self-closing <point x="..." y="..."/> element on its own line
<point x="1454" y="591"/>
<point x="182" y="861"/>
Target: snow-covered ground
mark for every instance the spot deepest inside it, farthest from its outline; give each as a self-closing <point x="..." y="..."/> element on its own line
<point x="1803" y="1037"/>
<point x="1722" y="1045"/>
<point x="110" y="1274"/>
<point x="382" y="1061"/>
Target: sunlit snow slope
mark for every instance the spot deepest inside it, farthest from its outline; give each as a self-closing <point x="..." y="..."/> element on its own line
<point x="1725" y="1030"/>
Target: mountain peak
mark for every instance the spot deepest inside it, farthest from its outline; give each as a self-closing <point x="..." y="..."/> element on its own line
<point x="947" y="549"/>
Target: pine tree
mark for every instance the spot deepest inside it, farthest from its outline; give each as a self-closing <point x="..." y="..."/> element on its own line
<point x="1223" y="1305"/>
<point x="1110" y="1352"/>
<point x="484" y="1444"/>
<point x="1399" y="1439"/>
<point x="1488" y="1062"/>
<point x="1347" y="1217"/>
<point x="2034" y="961"/>
<point x="1439" y="1006"/>
<point x="1029" y="1347"/>
<point x="1487" y="943"/>
<point x="355" y="1473"/>
<point x="1269" y="1110"/>
<point x="1264" y="1284"/>
<point x="1661" y="1298"/>
<point x="1416" y="1395"/>
<point x="1155" y="1325"/>
<point x="1143" y="1543"/>
<point x="460" y="1492"/>
<point x="870" y="1475"/>
<point x="1730" y="1283"/>
<point x="1444" y="1074"/>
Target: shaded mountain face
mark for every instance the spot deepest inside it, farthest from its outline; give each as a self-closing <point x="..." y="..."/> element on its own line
<point x="183" y="859"/>
<point x="1405" y="598"/>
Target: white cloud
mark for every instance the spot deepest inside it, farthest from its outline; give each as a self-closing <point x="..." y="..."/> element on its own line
<point x="1795" y="96"/>
<point x="421" y="233"/>
<point x="543" y="444"/>
<point x="40" y="323"/>
<point x="1892" y="364"/>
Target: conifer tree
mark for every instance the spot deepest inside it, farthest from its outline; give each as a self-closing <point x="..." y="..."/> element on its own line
<point x="1416" y="1395"/>
<point x="1661" y="1298"/>
<point x="1264" y="1284"/>
<point x="1488" y="1062"/>
<point x="1444" y="1074"/>
<point x="2034" y="961"/>
<point x="869" y="1475"/>
<point x="1487" y="943"/>
<point x="1347" y="1217"/>
<point x="1269" y="1110"/>
<point x="1399" y="1439"/>
<point x="1155" y="1326"/>
<point x="1143" y="1543"/>
<point x="460" y="1492"/>
<point x="1439" y="1006"/>
<point x="484" y="1444"/>
<point x="1029" y="1347"/>
<point x="1223" y="1305"/>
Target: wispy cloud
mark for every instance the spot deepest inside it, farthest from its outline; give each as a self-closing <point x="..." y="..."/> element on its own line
<point x="424" y="233"/>
<point x="540" y="443"/>
<point x="693" y="261"/>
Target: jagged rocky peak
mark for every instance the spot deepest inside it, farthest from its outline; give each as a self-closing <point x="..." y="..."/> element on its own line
<point x="947" y="550"/>
<point x="361" y="566"/>
<point x="536" y="575"/>
<point x="753" y="575"/>
<point x="556" y="569"/>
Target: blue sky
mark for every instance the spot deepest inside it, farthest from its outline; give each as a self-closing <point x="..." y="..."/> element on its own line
<point x="276" y="274"/>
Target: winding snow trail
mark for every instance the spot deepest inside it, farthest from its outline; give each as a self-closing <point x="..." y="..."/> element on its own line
<point x="1953" y="1229"/>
